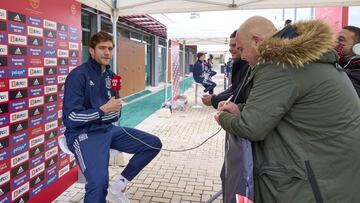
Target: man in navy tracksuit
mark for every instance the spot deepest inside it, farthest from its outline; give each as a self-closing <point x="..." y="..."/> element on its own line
<point x="88" y="112"/>
<point x="198" y="74"/>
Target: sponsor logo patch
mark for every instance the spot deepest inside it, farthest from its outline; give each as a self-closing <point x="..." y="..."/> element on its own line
<point x="18" y="72"/>
<point x="2" y="26"/>
<point x="18" y="138"/>
<point x="36" y="121"/>
<point x="50" y="126"/>
<point x="18" y="105"/>
<point x="17" y="61"/>
<point x="36" y="101"/>
<point x="35" y="91"/>
<point x="50" y="80"/>
<point x="34" y="21"/>
<point x="36" y="81"/>
<point x="62" y="36"/>
<point x="18" y="17"/>
<point x="50" y="34"/>
<point x="3" y="38"/>
<point x="32" y="41"/>
<point x="3" y="61"/>
<point x="17" y="50"/>
<point x="50" y="24"/>
<point x="35" y="31"/>
<point x="73" y="30"/>
<point x="50" y="98"/>
<point x="62" y="27"/>
<point x="2" y="17"/>
<point x="36" y="151"/>
<point x="73" y="46"/>
<point x="3" y="49"/>
<point x="16" y="28"/>
<point x="20" y="191"/>
<point x="17" y="39"/>
<point x="36" y="111"/>
<point x="17" y="127"/>
<point x="50" y="71"/>
<point x="50" y="62"/>
<point x="50" y="43"/>
<point x="18" y="83"/>
<point x="4" y="120"/>
<point x="35" y="71"/>
<point x="4" y="97"/>
<point x="35" y="51"/>
<point x="4" y="108"/>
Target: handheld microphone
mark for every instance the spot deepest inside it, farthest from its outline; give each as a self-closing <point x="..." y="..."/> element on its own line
<point x="116" y="85"/>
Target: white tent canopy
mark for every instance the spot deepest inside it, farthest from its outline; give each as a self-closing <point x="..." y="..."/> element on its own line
<point x="126" y="7"/>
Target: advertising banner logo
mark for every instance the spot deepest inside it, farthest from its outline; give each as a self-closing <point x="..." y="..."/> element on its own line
<point x="36" y="71"/>
<point x="16" y="28"/>
<point x="17" y="61"/>
<point x="32" y="41"/>
<point x="18" y="17"/>
<point x="18" y="72"/>
<point x="34" y="21"/>
<point x="16" y="50"/>
<point x="3" y="50"/>
<point x="36" y="101"/>
<point x="18" y="83"/>
<point x="36" y="111"/>
<point x="18" y="105"/>
<point x="17" y="39"/>
<point x="50" y="24"/>
<point x="35" y="91"/>
<point x="35" y="31"/>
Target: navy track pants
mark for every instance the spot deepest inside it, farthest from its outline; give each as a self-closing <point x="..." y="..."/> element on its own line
<point x="92" y="154"/>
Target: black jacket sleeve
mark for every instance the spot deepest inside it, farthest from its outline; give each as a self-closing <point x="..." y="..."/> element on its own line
<point x="221" y="97"/>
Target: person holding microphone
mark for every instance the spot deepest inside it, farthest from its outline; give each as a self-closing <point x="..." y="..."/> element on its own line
<point x="91" y="105"/>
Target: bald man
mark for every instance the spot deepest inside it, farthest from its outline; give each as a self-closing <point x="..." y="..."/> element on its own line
<point x="302" y="114"/>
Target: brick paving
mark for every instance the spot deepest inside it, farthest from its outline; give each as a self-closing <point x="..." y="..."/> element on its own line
<point x="186" y="177"/>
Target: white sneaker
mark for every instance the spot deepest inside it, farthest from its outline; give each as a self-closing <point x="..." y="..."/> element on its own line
<point x="117" y="197"/>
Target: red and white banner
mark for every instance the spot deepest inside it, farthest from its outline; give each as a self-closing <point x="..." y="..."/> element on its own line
<point x="175" y="69"/>
<point x="39" y="42"/>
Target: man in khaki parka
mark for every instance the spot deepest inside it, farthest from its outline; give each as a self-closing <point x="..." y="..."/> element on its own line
<point x="302" y="114"/>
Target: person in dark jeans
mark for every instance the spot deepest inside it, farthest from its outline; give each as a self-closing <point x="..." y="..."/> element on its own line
<point x="199" y="76"/>
<point x="237" y="171"/>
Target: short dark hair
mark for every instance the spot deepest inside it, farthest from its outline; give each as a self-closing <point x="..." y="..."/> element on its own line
<point x="356" y="32"/>
<point x="288" y="21"/>
<point x="233" y="35"/>
<point x="200" y="54"/>
<point x="101" y="36"/>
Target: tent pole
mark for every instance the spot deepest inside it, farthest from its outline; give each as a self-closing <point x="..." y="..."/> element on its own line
<point x="166" y="69"/>
<point x="115" y="17"/>
<point x="183" y="72"/>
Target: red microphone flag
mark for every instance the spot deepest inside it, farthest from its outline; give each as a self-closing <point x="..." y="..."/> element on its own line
<point x="116" y="84"/>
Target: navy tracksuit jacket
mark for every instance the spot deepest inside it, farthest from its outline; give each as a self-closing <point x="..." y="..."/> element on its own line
<point x="90" y="133"/>
<point x="198" y="72"/>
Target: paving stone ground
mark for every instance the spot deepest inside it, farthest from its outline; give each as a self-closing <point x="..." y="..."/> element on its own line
<point x="186" y="177"/>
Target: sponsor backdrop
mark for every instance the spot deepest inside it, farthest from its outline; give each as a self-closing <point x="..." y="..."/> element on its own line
<point x="39" y="46"/>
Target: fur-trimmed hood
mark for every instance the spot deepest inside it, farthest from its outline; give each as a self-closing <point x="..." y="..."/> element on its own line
<point x="315" y="39"/>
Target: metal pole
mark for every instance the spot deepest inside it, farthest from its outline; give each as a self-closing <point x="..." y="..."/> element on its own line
<point x="115" y="17"/>
<point x="166" y="69"/>
<point x="184" y="68"/>
<point x="295" y="14"/>
<point x="312" y="13"/>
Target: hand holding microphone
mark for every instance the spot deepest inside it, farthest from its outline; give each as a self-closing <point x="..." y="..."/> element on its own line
<point x="227" y="106"/>
<point x="116" y="85"/>
<point x="115" y="103"/>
